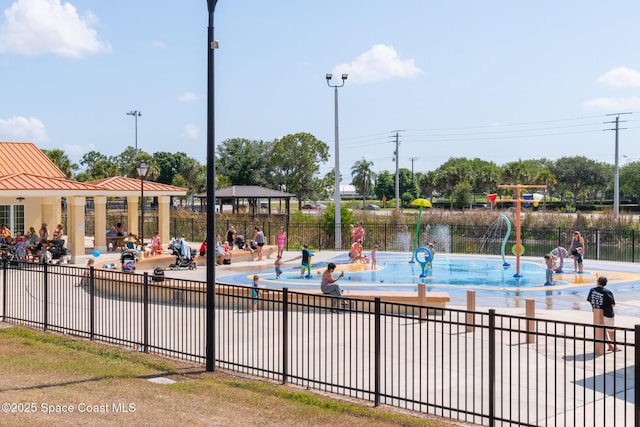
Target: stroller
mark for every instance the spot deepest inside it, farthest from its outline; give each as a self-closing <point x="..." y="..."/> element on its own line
<point x="182" y="252"/>
<point x="58" y="251"/>
<point x="8" y="254"/>
<point x="128" y="260"/>
<point x="239" y="242"/>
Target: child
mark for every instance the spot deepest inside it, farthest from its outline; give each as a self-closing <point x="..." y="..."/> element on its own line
<point x="278" y="265"/>
<point x="374" y="254"/>
<point x="155" y="243"/>
<point x="548" y="259"/>
<point x="254" y="293"/>
<point x="87" y="273"/>
<point x="306" y="262"/>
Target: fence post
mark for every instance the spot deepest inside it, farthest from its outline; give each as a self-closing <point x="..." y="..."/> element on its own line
<point x="492" y="366"/>
<point x="422" y="301"/>
<point x="598" y="320"/>
<point x="471" y="306"/>
<point x="92" y="303"/>
<point x="376" y="357"/>
<point x="531" y="324"/>
<point x="146" y="312"/>
<point x="633" y="248"/>
<point x="598" y="243"/>
<point x="637" y="377"/>
<point x="46" y="297"/>
<point x="4" y="289"/>
<point x="285" y="335"/>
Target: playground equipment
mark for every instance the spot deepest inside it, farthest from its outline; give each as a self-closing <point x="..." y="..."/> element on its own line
<point x="560" y="253"/>
<point x="425" y="263"/>
<point x="518" y="248"/>
<point x="421" y="203"/>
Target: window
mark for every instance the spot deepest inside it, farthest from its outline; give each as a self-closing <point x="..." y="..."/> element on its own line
<point x="13" y="216"/>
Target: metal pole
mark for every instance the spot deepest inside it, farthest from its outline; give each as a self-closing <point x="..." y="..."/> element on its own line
<point x="211" y="194"/>
<point x="338" y="225"/>
<point x="136" y="119"/>
<point x="142" y="213"/>
<point x="337" y="200"/>
<point x="616" y="180"/>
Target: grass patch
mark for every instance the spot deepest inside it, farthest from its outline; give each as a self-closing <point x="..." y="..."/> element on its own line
<point x="57" y="370"/>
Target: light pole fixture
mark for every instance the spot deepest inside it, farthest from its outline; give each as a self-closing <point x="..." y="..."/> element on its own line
<point x="337" y="158"/>
<point x="135" y="114"/>
<point x="142" y="170"/>
<point x="212" y="45"/>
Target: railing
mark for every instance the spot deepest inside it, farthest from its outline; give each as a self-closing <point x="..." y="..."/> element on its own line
<point x="606" y="245"/>
<point x="485" y="368"/>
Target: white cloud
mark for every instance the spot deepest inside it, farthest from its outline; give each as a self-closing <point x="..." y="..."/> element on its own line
<point x="621" y="77"/>
<point x="188" y="97"/>
<point x="36" y="27"/>
<point x="379" y="63"/>
<point x="613" y="104"/>
<point x="23" y="129"/>
<point x="190" y="131"/>
<point x="77" y="151"/>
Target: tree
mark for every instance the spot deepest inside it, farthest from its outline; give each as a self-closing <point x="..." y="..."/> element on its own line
<point x="97" y="166"/>
<point x="244" y="162"/>
<point x="385" y="185"/>
<point x="630" y="180"/>
<point x="295" y="159"/>
<point x="168" y="165"/>
<point x="547" y="178"/>
<point x="578" y="173"/>
<point x="462" y="195"/>
<point x="62" y="161"/>
<point x="128" y="160"/>
<point x="363" y="178"/>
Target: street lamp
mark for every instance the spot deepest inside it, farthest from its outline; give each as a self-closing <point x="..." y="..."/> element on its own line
<point x="337" y="156"/>
<point x="142" y="169"/>
<point x="135" y="114"/>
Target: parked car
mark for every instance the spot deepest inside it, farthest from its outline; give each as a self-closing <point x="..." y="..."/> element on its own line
<point x="371" y="207"/>
<point x="309" y="206"/>
<point x="321" y="206"/>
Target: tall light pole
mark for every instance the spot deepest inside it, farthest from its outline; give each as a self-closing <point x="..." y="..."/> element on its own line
<point x="212" y="45"/>
<point x="337" y="157"/>
<point x="135" y="114"/>
<point x="616" y="177"/>
<point x="142" y="170"/>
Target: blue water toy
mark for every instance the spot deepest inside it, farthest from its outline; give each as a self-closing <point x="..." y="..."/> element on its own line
<point x="426" y="261"/>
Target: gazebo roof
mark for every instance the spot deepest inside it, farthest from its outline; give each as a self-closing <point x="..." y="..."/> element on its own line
<point x="247" y="192"/>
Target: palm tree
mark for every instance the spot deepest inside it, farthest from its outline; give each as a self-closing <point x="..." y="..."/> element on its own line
<point x="545" y="177"/>
<point x="362" y="177"/>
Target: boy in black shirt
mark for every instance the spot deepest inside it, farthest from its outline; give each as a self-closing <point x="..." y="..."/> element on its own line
<point x="599" y="297"/>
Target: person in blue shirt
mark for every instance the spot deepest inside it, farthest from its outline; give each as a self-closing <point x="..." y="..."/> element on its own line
<point x="306" y="262"/>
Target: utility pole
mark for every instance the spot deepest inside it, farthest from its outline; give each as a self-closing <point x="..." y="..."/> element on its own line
<point x="616" y="178"/>
<point x="413" y="159"/>
<point x="397" y="159"/>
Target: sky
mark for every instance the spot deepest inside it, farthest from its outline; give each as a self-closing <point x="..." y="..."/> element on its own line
<point x="496" y="80"/>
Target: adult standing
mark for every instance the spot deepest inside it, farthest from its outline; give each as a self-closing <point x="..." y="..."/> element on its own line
<point x="231" y="236"/>
<point x="282" y="239"/>
<point x="328" y="284"/>
<point x="258" y="238"/>
<point x="576" y="249"/>
<point x="358" y="233"/>
<point x="602" y="298"/>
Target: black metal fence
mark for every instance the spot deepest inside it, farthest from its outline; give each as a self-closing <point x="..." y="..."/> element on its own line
<point x="485" y="368"/>
<point x="606" y="245"/>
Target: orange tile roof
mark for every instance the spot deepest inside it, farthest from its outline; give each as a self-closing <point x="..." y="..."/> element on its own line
<point x="26" y="157"/>
<point x="121" y="183"/>
<point x="27" y="182"/>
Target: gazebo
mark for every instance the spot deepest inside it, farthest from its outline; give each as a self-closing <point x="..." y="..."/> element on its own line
<point x="253" y="195"/>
